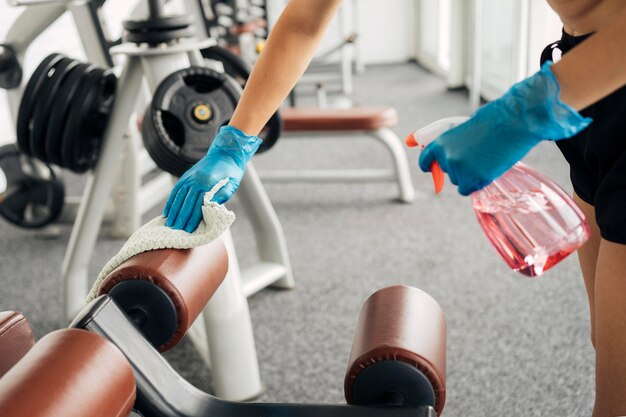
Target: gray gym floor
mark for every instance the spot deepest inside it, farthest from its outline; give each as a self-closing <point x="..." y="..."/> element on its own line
<point x="516" y="346"/>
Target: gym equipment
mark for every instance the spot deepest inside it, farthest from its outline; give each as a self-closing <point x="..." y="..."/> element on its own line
<point x="187" y="110"/>
<point x="398" y="388"/>
<point x="158" y="28"/>
<point x="64" y="111"/>
<point x="10" y="68"/>
<point x="375" y="122"/>
<point x="16" y="338"/>
<point x="159" y="299"/>
<point x="114" y="191"/>
<point x="238" y="69"/>
<point x="237" y="25"/>
<point x="29" y="197"/>
<point x="396" y="367"/>
<point x="69" y="372"/>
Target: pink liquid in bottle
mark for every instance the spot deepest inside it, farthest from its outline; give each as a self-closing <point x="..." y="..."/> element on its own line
<point x="531" y="221"/>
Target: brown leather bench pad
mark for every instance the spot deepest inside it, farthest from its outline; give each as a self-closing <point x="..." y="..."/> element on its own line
<point x="357" y="118"/>
<point x="69" y="373"/>
<point x="16" y="338"/>
<point x="405" y="324"/>
<point x="189" y="277"/>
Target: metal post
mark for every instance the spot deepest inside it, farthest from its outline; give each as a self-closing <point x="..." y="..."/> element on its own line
<point x="97" y="192"/>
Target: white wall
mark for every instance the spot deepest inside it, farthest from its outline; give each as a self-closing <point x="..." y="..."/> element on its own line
<point x="386" y="29"/>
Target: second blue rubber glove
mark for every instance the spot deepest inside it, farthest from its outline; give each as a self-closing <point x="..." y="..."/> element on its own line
<point x="226" y="159"/>
<point x="503" y="131"/>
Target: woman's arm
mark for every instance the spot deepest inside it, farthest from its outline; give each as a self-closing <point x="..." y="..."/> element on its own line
<point x="595" y="68"/>
<point x="287" y="53"/>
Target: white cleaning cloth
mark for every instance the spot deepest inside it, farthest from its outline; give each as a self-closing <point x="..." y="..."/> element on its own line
<point x="156" y="235"/>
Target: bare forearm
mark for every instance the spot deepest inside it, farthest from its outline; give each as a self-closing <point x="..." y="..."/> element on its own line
<point x="595" y="68"/>
<point x="287" y="53"/>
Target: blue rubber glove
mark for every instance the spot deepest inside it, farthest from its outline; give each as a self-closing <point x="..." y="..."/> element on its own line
<point x="500" y="133"/>
<point x="227" y="158"/>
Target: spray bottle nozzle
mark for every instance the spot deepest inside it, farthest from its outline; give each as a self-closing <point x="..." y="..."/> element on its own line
<point x="425" y="135"/>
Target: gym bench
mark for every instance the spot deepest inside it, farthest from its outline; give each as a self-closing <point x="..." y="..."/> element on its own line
<point x="375" y="122"/>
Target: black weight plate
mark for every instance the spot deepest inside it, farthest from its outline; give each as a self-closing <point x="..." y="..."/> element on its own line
<point x="29" y="101"/>
<point x="161" y="23"/>
<point x="154" y="37"/>
<point x="233" y="65"/>
<point x="60" y="113"/>
<point x="173" y="137"/>
<point x="78" y="109"/>
<point x="27" y="200"/>
<point x="271" y="132"/>
<point x="87" y="151"/>
<point x="238" y="69"/>
<point x="10" y="68"/>
<point x="88" y="115"/>
<point x="47" y="100"/>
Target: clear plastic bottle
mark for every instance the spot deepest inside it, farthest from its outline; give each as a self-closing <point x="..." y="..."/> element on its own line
<point x="531" y="221"/>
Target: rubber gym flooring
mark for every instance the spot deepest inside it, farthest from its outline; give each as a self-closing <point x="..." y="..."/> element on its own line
<point x="516" y="346"/>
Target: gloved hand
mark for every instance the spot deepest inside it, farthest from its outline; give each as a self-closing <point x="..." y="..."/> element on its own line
<point x="227" y="158"/>
<point x="500" y="133"/>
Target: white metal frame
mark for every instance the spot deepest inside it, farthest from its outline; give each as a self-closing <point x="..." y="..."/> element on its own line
<point x="223" y="334"/>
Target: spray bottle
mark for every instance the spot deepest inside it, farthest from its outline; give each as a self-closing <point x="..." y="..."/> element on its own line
<point x="531" y="221"/>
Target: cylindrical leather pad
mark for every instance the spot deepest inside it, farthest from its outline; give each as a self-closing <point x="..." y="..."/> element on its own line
<point x="188" y="276"/>
<point x="400" y="323"/>
<point x="69" y="373"/>
<point x="16" y="338"/>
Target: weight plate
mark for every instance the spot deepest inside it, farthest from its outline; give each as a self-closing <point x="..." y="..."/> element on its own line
<point x="161" y="23"/>
<point x="154" y="37"/>
<point x="85" y="125"/>
<point x="186" y="112"/>
<point x="61" y="112"/>
<point x="10" y="68"/>
<point x="29" y="101"/>
<point x="238" y="69"/>
<point x="233" y="65"/>
<point x="45" y="103"/>
<point x="28" y="200"/>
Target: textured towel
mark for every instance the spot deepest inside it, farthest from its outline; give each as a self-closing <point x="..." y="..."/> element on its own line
<point x="156" y="235"/>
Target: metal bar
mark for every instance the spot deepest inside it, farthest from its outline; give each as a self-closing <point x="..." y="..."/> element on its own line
<point x="268" y="232"/>
<point x="230" y="340"/>
<point x="261" y="275"/>
<point x="91" y="33"/>
<point x="97" y="192"/>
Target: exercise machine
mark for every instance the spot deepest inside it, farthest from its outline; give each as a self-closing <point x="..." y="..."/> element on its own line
<point x="156" y="47"/>
<point x="396" y="367"/>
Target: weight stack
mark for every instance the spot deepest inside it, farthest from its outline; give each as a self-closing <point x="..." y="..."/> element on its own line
<point x="64" y="112"/>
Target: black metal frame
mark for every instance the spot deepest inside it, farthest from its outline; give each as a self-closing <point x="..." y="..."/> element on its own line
<point x="162" y="392"/>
